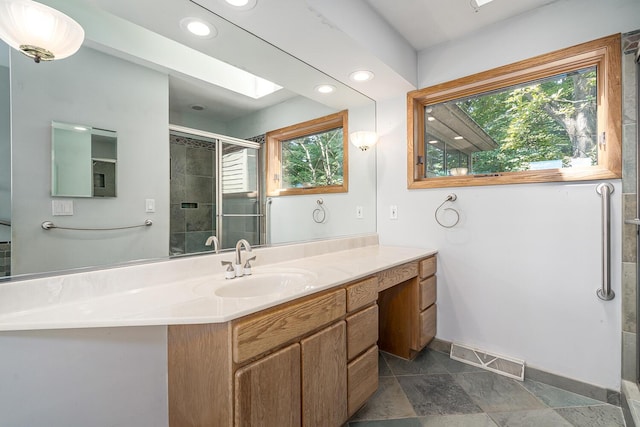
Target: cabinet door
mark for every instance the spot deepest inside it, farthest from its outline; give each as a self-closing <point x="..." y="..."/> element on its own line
<point x="324" y="377"/>
<point x="267" y="392"/>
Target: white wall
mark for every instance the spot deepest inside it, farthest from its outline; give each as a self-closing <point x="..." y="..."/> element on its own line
<point x="518" y="275"/>
<point x="197" y="121"/>
<point x="5" y="153"/>
<point x="99" y="377"/>
<point x="100" y="91"/>
<point x="287" y="113"/>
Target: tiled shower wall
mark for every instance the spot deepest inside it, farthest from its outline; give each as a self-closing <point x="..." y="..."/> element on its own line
<point x="5" y="259"/>
<point x="629" y="232"/>
<point x="192" y="198"/>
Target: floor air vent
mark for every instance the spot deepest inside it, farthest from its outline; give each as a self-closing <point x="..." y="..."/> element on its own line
<point x="512" y="368"/>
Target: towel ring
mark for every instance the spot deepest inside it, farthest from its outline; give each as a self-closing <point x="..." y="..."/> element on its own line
<point x="319" y="213"/>
<point x="450" y="198"/>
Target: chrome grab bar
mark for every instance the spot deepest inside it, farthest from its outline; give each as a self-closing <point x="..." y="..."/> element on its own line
<point x="48" y="225"/>
<point x="605" y="190"/>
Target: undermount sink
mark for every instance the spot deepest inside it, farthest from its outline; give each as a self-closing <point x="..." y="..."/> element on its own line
<point x="261" y="283"/>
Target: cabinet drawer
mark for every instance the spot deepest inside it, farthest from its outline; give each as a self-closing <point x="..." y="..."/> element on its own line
<point x="362" y="331"/>
<point x="362" y="293"/>
<point x="428" y="267"/>
<point x="428" y="290"/>
<point x="362" y="379"/>
<point x="396" y="275"/>
<point x="259" y="333"/>
<point x="427" y="325"/>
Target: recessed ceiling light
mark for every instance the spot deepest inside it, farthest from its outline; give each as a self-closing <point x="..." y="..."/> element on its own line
<point x="361" y="76"/>
<point x="325" y="88"/>
<point x="433" y="141"/>
<point x="242" y="4"/>
<point x="458" y="137"/>
<point x="80" y="128"/>
<point x="198" y="27"/>
<point x="198" y="107"/>
<point x="431" y="118"/>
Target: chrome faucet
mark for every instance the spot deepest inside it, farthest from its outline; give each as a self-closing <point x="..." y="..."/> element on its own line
<point x="239" y="245"/>
<point x="213" y="240"/>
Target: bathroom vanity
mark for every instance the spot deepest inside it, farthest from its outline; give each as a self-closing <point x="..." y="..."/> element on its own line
<point x="311" y="362"/>
<point x="295" y="343"/>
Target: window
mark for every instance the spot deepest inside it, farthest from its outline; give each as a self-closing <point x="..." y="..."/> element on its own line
<point x="555" y="117"/>
<point x="309" y="157"/>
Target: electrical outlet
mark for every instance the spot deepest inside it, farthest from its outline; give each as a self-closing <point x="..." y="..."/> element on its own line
<point x="359" y="212"/>
<point x="393" y="212"/>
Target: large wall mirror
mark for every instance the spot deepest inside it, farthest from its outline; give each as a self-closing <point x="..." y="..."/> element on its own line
<point x="139" y="73"/>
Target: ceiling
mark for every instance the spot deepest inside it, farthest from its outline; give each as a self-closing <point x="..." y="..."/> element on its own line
<point x="339" y="37"/>
<point x="333" y="36"/>
<point x="426" y="23"/>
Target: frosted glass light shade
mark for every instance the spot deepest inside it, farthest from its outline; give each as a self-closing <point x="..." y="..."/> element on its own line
<point x="364" y="139"/>
<point x="39" y="31"/>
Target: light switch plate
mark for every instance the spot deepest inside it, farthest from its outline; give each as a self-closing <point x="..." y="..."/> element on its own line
<point x="393" y="212"/>
<point x="61" y="207"/>
<point x="150" y="205"/>
<point x="359" y="212"/>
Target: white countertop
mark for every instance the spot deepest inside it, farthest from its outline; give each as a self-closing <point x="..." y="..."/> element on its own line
<point x="192" y="299"/>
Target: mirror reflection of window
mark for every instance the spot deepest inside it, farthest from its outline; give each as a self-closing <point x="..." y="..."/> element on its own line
<point x="309" y="157"/>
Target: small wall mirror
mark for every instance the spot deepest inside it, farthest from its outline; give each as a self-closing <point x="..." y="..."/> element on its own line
<point x="83" y="161"/>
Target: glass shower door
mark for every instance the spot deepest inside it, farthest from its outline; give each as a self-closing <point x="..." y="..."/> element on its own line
<point x="239" y="215"/>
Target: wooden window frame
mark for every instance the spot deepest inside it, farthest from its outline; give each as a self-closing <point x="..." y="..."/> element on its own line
<point x="604" y="53"/>
<point x="274" y="141"/>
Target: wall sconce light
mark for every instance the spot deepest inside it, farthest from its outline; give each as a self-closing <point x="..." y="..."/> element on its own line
<point x="39" y="31"/>
<point x="364" y="139"/>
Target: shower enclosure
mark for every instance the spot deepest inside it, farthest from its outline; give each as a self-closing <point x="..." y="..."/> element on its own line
<point x="215" y="190"/>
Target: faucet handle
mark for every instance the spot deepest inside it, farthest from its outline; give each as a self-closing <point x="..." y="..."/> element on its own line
<point x="247" y="266"/>
<point x="230" y="273"/>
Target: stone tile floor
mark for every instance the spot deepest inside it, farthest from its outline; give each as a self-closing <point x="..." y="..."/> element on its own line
<point x="436" y="391"/>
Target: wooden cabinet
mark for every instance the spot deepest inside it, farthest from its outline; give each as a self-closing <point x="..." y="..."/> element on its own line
<point x="308" y="362"/>
<point x="324" y="377"/>
<point x="267" y="392"/>
<point x="407" y="307"/>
